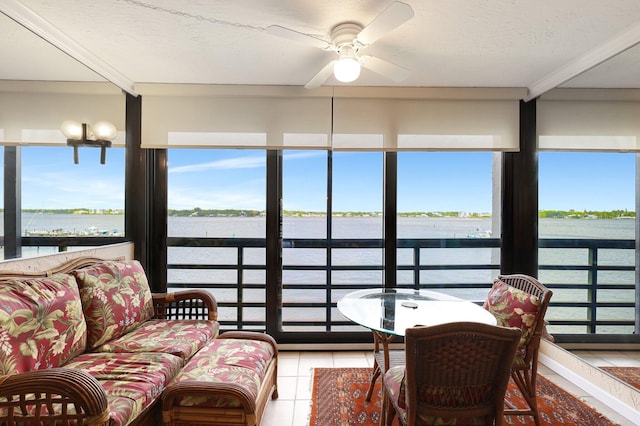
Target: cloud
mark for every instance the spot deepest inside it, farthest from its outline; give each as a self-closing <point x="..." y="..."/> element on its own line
<point x="247" y="162"/>
<point x="188" y="198"/>
<point x="304" y="154"/>
<point x="229" y="163"/>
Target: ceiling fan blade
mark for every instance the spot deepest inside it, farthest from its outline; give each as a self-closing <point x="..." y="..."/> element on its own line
<point x="389" y="19"/>
<point x="384" y="68"/>
<point x="296" y="36"/>
<point x="321" y="77"/>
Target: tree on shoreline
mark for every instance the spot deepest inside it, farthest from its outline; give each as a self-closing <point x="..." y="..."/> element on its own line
<point x="199" y="212"/>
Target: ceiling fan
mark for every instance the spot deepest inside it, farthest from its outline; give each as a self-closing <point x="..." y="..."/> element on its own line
<point x="347" y="40"/>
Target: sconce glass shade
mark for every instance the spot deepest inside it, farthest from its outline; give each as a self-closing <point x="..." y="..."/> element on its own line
<point x="104" y="130"/>
<point x="71" y="129"/>
<point x="346" y="69"/>
<point x="100" y="135"/>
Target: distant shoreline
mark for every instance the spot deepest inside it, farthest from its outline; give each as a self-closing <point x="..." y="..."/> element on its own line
<point x="547" y="214"/>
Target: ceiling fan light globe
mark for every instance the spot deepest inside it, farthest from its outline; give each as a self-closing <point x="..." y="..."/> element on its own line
<point x="346" y="70"/>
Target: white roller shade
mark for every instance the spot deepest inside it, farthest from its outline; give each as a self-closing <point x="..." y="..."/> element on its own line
<point x="34" y="118"/>
<point x="236" y="122"/>
<point x="283" y="117"/>
<point x="425" y="124"/>
<point x="574" y="121"/>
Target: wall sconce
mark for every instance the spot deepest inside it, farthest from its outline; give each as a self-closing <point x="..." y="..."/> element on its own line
<point x="81" y="134"/>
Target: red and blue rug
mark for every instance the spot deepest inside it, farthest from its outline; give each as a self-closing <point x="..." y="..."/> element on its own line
<point x="338" y="400"/>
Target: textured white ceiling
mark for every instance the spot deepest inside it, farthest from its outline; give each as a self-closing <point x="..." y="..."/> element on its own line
<point x="448" y="43"/>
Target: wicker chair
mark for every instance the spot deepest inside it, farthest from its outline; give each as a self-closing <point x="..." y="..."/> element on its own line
<point x="455" y="370"/>
<point x="525" y="366"/>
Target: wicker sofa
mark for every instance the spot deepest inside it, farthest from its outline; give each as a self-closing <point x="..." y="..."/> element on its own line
<point x="86" y="342"/>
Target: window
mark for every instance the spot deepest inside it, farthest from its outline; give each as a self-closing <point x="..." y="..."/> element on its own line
<point x="358" y="182"/>
<point x="217" y="195"/>
<point x="589" y="197"/>
<point x="447" y="195"/>
<point x="60" y="198"/>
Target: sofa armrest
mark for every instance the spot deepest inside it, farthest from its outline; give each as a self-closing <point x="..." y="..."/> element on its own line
<point x="187" y="304"/>
<point x="62" y="395"/>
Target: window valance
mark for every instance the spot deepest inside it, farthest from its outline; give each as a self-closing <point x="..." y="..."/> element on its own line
<point x="589" y="120"/>
<point x="425" y="124"/>
<point x="33" y="115"/>
<point x="329" y="118"/>
<point x="236" y="122"/>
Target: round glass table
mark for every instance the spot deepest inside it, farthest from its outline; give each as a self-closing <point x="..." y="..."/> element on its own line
<point x="392" y="311"/>
<point x="389" y="312"/>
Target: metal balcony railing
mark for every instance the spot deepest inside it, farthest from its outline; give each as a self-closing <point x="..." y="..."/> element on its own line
<point x="582" y="282"/>
<point x="593" y="280"/>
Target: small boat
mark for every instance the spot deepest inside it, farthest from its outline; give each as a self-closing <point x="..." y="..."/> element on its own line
<point x="480" y="234"/>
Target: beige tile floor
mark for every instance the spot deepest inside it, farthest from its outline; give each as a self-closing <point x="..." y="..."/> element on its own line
<point x="294" y="382"/>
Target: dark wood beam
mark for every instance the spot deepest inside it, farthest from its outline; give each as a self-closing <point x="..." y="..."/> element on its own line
<point x="157" y="196"/>
<point x="390" y="215"/>
<point x="519" y="253"/>
<point x="274" y="244"/>
<point x="135" y="176"/>
<point x="12" y="202"/>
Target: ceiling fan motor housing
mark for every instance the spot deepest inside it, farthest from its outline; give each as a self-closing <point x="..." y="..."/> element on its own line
<point x="345" y="35"/>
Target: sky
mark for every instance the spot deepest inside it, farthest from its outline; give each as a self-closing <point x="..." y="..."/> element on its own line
<point x="235" y="179"/>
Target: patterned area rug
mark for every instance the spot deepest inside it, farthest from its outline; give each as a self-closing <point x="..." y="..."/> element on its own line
<point x="630" y="375"/>
<point x="338" y="400"/>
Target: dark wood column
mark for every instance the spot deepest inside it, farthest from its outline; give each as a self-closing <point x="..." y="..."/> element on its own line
<point x="390" y="215"/>
<point x="146" y="199"/>
<point x="519" y="253"/>
<point x="135" y="209"/>
<point x="134" y="203"/>
<point x="274" y="243"/>
<point x="157" y="202"/>
<point x="12" y="202"/>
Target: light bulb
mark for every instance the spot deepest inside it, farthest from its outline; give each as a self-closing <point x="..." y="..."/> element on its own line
<point x="347" y="69"/>
<point x="71" y="129"/>
<point x="104" y="130"/>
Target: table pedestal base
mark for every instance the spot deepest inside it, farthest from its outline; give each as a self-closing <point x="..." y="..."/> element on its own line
<point x="383" y="358"/>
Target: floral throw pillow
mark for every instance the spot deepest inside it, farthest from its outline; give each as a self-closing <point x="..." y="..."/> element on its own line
<point x="41" y="323"/>
<point x="514" y="308"/>
<point x="115" y="298"/>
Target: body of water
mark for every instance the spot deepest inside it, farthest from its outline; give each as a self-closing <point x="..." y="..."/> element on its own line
<point x="343" y="227"/>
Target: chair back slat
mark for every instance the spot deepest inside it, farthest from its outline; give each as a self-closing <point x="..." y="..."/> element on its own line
<point x="458" y="370"/>
<point x="531" y="286"/>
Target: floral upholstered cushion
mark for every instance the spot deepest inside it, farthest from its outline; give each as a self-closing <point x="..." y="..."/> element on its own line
<point x="514" y="308"/>
<point x="394" y="381"/>
<point x="182" y="338"/>
<point x="429" y="396"/>
<point x="132" y="382"/>
<point x="239" y="361"/>
<point x="41" y="323"/>
<point x="115" y="298"/>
